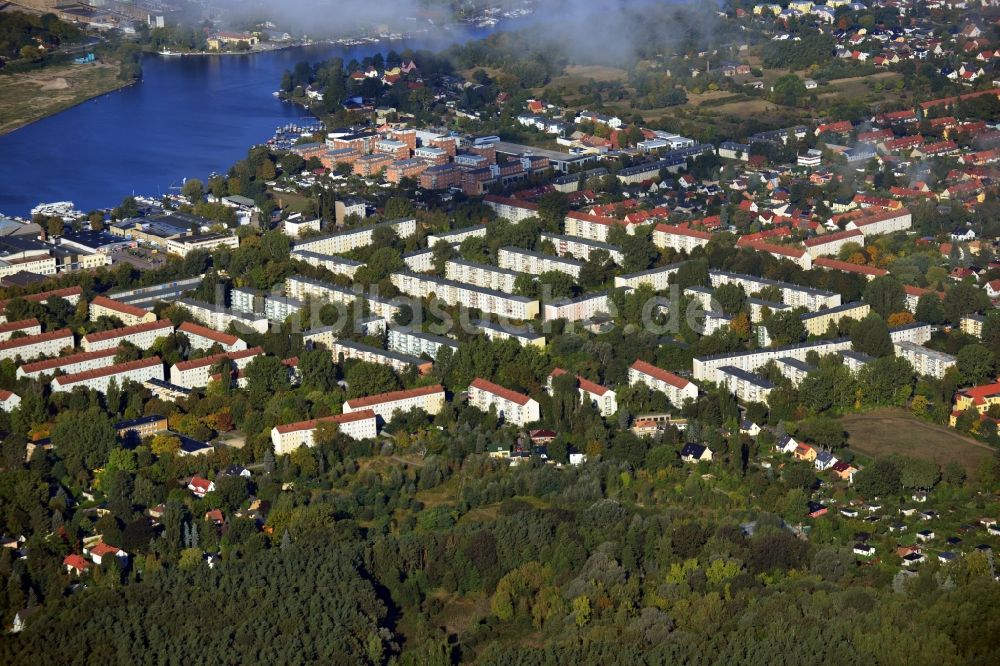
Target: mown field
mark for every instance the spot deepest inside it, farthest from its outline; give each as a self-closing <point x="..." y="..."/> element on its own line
<point x="889" y="432"/>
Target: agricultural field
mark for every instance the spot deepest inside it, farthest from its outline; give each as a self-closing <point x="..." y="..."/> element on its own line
<point x="887" y="432"/>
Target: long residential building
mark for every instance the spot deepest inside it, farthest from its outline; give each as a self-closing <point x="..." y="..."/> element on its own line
<point x="197" y="373"/>
<point x="600" y="397"/>
<point x="514" y="210"/>
<point x="582" y="308"/>
<point x="26" y="326"/>
<point x="481" y="275"/>
<point x="416" y="343"/>
<point x="677" y="389"/>
<point x="657" y="278"/>
<point x="524" y="335"/>
<point x="70" y="294"/>
<point x="290" y="436"/>
<point x="797" y="296"/>
<point x="429" y="399"/>
<point x="881" y="221"/>
<point x="831" y="243"/>
<point x="456" y="236"/>
<point x="817" y="323"/>
<point x="581" y="248"/>
<point x="130" y="315"/>
<point x="925" y="361"/>
<point x="705" y="367"/>
<point x="139" y="371"/>
<point x="68" y="365"/>
<point x="362" y="352"/>
<point x="746" y="386"/>
<point x="470" y="296"/>
<point x="333" y="263"/>
<point x="917" y="333"/>
<point x="220" y="318"/>
<point x="681" y="239"/>
<point x="593" y="227"/>
<point x="141" y="335"/>
<point x="33" y="346"/>
<point x="518" y="260"/>
<point x="347" y="241"/>
<point x="202" y="337"/>
<point x="511" y="406"/>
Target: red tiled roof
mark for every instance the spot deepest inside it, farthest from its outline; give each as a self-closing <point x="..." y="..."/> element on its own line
<point x="111" y="304"/>
<point x="507" y="201"/>
<point x="5" y="395"/>
<point x="595" y="219"/>
<point x="587" y="385"/>
<point x="41" y="337"/>
<point x="836" y="264"/>
<point x="101" y="549"/>
<point x="206" y="332"/>
<point x="110" y="370"/>
<point x="771" y="248"/>
<point x="11" y="326"/>
<point x="391" y="396"/>
<point x="52" y="363"/>
<point x="338" y="419"/>
<point x="45" y="295"/>
<point x="497" y="390"/>
<point x="682" y="231"/>
<point x="129" y="330"/>
<point x="200" y="483"/>
<point x="209" y="360"/>
<point x="659" y="373"/>
<point x="832" y="237"/>
<point x="979" y="393"/>
<point x="76" y="561"/>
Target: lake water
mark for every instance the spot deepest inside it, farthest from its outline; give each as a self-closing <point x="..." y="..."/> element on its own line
<point x="187" y="118"/>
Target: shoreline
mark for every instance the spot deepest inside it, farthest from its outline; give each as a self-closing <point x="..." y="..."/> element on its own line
<point x="48" y="113"/>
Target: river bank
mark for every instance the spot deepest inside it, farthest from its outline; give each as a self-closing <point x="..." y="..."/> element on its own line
<point x="27" y="97"/>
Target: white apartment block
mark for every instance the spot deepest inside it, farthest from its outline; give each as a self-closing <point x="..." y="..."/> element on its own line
<point x="355" y="350"/>
<point x="600" y="397"/>
<point x="831" y="243"/>
<point x="429" y="399"/>
<point x="416" y="343"/>
<point x="332" y="263"/>
<point x="705" y="367"/>
<point x="38" y="264"/>
<point x="129" y="315"/>
<point x="480" y="275"/>
<point x="185" y="245"/>
<point x="793" y="369"/>
<point x="715" y="321"/>
<point x="297" y="224"/>
<point x="280" y="308"/>
<point x="882" y="222"/>
<point x="925" y="361"/>
<point x="358" y="425"/>
<point x="759" y="307"/>
<point x="514" y="210"/>
<point x="677" y="389"/>
<point x="470" y="296"/>
<point x="9" y="401"/>
<point x="197" y="373"/>
<point x="302" y="288"/>
<point x="202" y="337"/>
<point x="972" y="325"/>
<point x="33" y="346"/>
<point x="792" y="295"/>
<point x="657" y="278"/>
<point x="524" y="335"/>
<point x="703" y="295"/>
<point x="420" y="261"/>
<point x="141" y="335"/>
<point x="746" y="386"/>
<point x="519" y="260"/>
<point x="817" y="323"/>
<point x="220" y="318"/>
<point x="456" y="236"/>
<point x="593" y="227"/>
<point x="26" y="326"/>
<point x="680" y="239"/>
<point x="68" y="365"/>
<point x="70" y="294"/>
<point x="855" y="360"/>
<point x="581" y="248"/>
<point x="139" y="371"/>
<point x="346" y="241"/>
<point x="579" y="309"/>
<point x="916" y="333"/>
<point x="511" y="406"/>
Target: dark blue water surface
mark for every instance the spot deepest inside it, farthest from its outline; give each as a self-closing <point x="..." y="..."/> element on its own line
<point x="188" y="117"/>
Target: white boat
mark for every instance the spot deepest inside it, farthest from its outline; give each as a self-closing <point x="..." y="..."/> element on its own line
<point x="167" y="53"/>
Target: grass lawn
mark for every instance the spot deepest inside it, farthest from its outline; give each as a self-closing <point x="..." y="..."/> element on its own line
<point x="894" y="431"/>
<point x="29" y="96"/>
